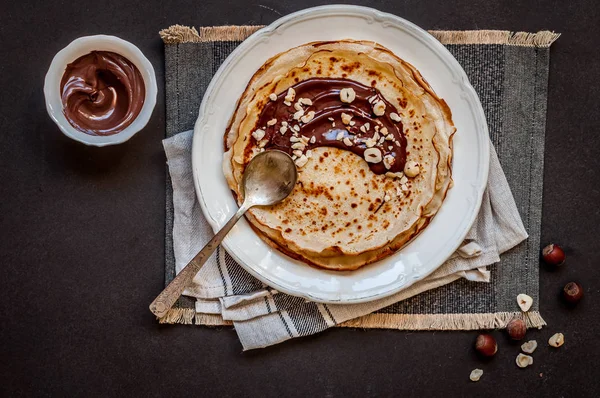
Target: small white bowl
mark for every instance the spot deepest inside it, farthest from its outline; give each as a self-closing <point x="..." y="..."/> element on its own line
<point x="83" y="46"/>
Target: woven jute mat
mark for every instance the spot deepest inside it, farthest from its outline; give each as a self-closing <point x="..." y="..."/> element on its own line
<point x="510" y="74"/>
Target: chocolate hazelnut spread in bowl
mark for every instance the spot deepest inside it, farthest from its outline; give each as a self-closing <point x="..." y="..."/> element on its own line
<point x="100" y="90"/>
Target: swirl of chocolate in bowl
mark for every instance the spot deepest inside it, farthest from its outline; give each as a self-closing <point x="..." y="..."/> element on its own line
<point x="338" y="113"/>
<point x="102" y="93"/>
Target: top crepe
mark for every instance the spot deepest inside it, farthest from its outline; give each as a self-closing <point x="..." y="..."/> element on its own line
<point x="331" y="105"/>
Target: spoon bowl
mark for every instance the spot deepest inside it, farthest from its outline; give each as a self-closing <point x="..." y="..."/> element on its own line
<point x="268" y="179"/>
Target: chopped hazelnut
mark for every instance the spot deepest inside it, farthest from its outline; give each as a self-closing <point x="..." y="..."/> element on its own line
<point x="370" y="143"/>
<point x="388" y="161"/>
<point x="529" y="347"/>
<point x="308" y="117"/>
<point x="373" y="155"/>
<point x="476" y="374"/>
<point x="524" y="361"/>
<point x="291" y="95"/>
<point x="346" y="118"/>
<point x="258" y="134"/>
<point x="347" y="95"/>
<point x="395" y="117"/>
<point x="412" y="169"/>
<point x="273" y="97"/>
<point x="301" y="161"/>
<point x="298" y="145"/>
<point x="524" y="302"/>
<point x="379" y="108"/>
<point x="398" y="174"/>
<point x="557" y="340"/>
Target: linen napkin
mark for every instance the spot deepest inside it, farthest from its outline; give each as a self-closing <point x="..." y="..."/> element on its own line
<point x="262" y="316"/>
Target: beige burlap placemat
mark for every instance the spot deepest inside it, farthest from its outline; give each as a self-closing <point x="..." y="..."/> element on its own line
<point x="510" y="73"/>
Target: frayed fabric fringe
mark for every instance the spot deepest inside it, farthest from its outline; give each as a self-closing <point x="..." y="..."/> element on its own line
<point x="189" y="316"/>
<point x="540" y="39"/>
<point x="184" y="34"/>
<point x="177" y="34"/>
<point x="497" y="320"/>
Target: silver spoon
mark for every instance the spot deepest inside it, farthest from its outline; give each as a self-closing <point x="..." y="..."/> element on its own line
<point x="268" y="179"/>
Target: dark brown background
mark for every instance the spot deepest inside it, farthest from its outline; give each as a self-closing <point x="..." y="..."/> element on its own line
<point x="81" y="231"/>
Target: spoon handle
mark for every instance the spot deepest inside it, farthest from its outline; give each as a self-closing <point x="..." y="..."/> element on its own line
<point x="165" y="300"/>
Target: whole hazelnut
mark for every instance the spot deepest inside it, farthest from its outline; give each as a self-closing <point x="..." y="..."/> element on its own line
<point x="486" y="345"/>
<point x="573" y="292"/>
<point x="516" y="329"/>
<point x="553" y="255"/>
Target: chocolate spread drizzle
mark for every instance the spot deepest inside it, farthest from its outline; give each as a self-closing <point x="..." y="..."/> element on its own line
<point x="328" y="107"/>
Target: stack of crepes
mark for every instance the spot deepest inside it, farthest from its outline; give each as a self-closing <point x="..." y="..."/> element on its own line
<point x="371" y="176"/>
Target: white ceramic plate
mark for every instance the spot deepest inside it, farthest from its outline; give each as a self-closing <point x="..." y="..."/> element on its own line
<point x="470" y="168"/>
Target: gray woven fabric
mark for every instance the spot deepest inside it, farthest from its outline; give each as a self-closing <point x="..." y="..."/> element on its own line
<point x="512" y="84"/>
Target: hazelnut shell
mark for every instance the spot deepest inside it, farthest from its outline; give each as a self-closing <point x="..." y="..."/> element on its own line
<point x="553" y="255"/>
<point x="573" y="292"/>
<point x="516" y="328"/>
<point x="486" y="345"/>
